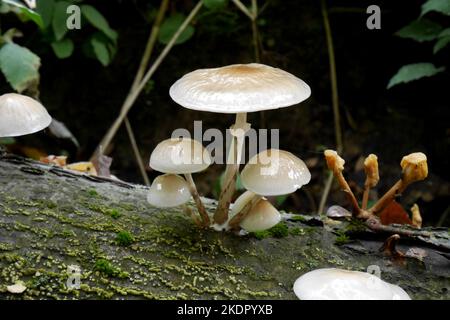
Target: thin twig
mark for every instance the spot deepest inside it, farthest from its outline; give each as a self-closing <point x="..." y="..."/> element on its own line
<point x="243" y="8"/>
<point x="138" y="77"/>
<point x="325" y="193"/>
<point x="335" y="100"/>
<point x="133" y="95"/>
<point x="136" y="152"/>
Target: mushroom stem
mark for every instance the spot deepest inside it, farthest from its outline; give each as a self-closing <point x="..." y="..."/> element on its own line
<point x="238" y="131"/>
<point x="346" y="188"/>
<point x="236" y="220"/>
<point x="200" y="207"/>
<point x="365" y="199"/>
<point x="390" y="195"/>
<point x="190" y="214"/>
<point x="416" y="216"/>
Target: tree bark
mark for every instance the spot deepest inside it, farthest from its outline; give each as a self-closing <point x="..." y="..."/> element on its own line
<point x="51" y="218"/>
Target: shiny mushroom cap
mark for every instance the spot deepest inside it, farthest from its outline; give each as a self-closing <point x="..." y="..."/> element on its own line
<point x="263" y="215"/>
<point x="338" y="284"/>
<point x="275" y="172"/>
<point x="21" y="115"/>
<point x="239" y="88"/>
<point x="168" y="190"/>
<point x="179" y="156"/>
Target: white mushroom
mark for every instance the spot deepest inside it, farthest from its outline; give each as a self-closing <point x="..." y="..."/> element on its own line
<point x="338" y="284"/>
<point x="183" y="156"/>
<point x="262" y="216"/>
<point x="275" y="172"/>
<point x="21" y="115"/>
<point x="237" y="89"/>
<point x="168" y="190"/>
<point x="271" y="172"/>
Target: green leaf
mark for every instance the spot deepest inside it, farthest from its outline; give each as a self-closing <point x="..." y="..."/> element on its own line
<point x="59" y="21"/>
<point x="420" y="30"/>
<point x="19" y="65"/>
<point x="98" y="21"/>
<point x="171" y="25"/>
<point x="441" y="6"/>
<point x="444" y="33"/>
<point x="63" y="48"/>
<point x="45" y="9"/>
<point x="26" y="13"/>
<point x="413" y="72"/>
<point x="441" y="44"/>
<point x="100" y="48"/>
<point x="215" y="4"/>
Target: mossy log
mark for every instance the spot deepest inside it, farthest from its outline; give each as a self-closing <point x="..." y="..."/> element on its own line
<point x="51" y="218"/>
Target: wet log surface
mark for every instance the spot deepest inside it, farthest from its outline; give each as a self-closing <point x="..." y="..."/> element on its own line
<point x="51" y="218"/>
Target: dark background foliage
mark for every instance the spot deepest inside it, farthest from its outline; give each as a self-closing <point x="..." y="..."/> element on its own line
<point x="390" y="123"/>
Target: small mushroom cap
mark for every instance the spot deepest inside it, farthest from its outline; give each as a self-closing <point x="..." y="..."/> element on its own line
<point x="168" y="190"/>
<point x="371" y="170"/>
<point x="16" y="288"/>
<point x="334" y="161"/>
<point x="338" y="284"/>
<point x="263" y="215"/>
<point x="275" y="172"/>
<point x="239" y="88"/>
<point x="21" y="115"/>
<point x="179" y="156"/>
<point x="414" y="166"/>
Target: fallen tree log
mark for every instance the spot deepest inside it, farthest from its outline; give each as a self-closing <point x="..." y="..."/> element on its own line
<point x="51" y="218"/>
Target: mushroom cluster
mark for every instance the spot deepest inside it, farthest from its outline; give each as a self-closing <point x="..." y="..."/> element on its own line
<point x="414" y="168"/>
<point x="236" y="89"/>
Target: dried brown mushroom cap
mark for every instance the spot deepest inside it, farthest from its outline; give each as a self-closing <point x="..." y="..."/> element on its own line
<point x="414" y="167"/>
<point x="239" y="88"/>
<point x="334" y="162"/>
<point x="21" y="115"/>
<point x="371" y="170"/>
<point x="275" y="172"/>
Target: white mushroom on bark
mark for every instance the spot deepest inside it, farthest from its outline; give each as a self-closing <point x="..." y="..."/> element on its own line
<point x="171" y="190"/>
<point x="237" y="89"/>
<point x="183" y="156"/>
<point x="271" y="172"/>
<point x="339" y="284"/>
<point x="262" y="215"/>
<point x="21" y="115"/>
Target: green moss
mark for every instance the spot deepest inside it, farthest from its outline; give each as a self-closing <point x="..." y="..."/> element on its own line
<point x="341" y="239"/>
<point x="108" y="269"/>
<point x="124" y="238"/>
<point x="280" y="230"/>
<point x="114" y="213"/>
<point x="92" y="192"/>
<point x="296" y="231"/>
<point x="297" y="217"/>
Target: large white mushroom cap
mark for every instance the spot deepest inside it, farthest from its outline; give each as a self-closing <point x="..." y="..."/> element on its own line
<point x="20" y="115"/>
<point x="168" y="190"/>
<point x="239" y="88"/>
<point x="179" y="156"/>
<point x="338" y="284"/>
<point x="275" y="172"/>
